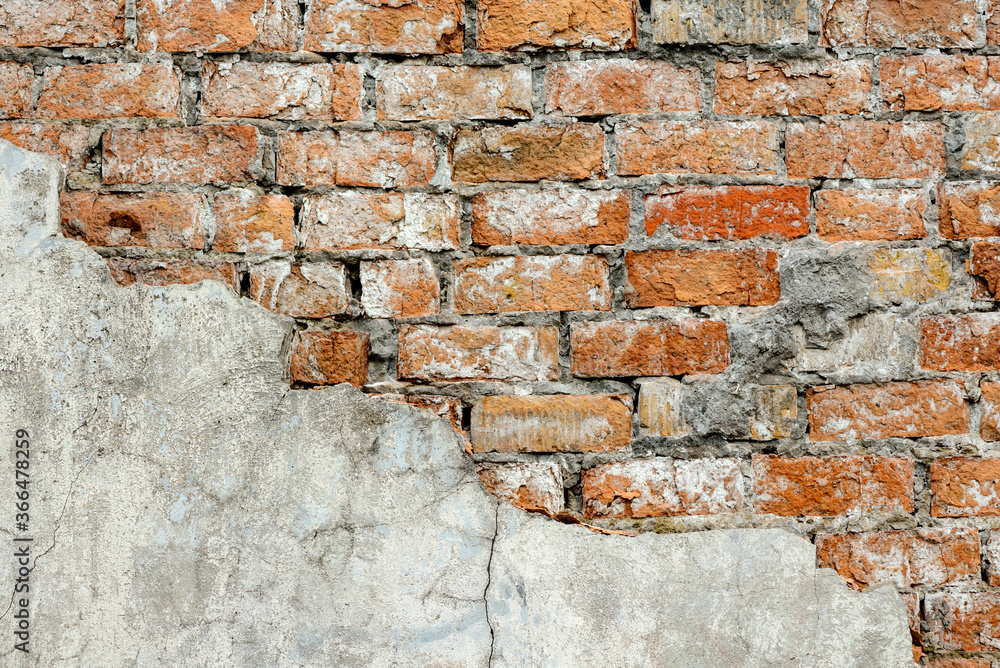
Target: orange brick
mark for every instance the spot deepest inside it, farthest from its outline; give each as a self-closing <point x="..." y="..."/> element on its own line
<point x="204" y="25"/>
<point x="443" y="407"/>
<point x="968" y="342"/>
<point x="478" y="353"/>
<point x="989" y="417"/>
<point x="157" y="220"/>
<point x="531" y="283"/>
<point x="284" y="91"/>
<point x="110" y="91"/>
<point x="831" y="486"/>
<point x="393" y="159"/>
<point x="661" y="486"/>
<point x="399" y="288"/>
<point x="797" y="88"/>
<point x="204" y="154"/>
<point x="422" y="26"/>
<point x="864" y="149"/>
<point x="887" y="23"/>
<point x="702" y="277"/>
<point x="960" y="663"/>
<point x="419" y="92"/>
<point x="596" y="25"/>
<point x="532" y="486"/>
<point x="937" y="81"/>
<point x="969" y="210"/>
<point x="563" y="216"/>
<point x="309" y="290"/>
<point x="245" y="222"/>
<point x="172" y="272"/>
<point x="649" y="348"/>
<point x="984" y="264"/>
<point x="69" y="144"/>
<point x="328" y="358"/>
<point x="729" y="212"/>
<point x="887" y="410"/>
<point x="870" y="215"/>
<point x="552" y="423"/>
<point x="965" y="487"/>
<point x="603" y="87"/>
<point x="964" y="621"/>
<point x="63" y="24"/>
<point x="921" y="558"/>
<point x="697" y="147"/>
<point x="528" y="153"/>
<point x="16" y="80"/>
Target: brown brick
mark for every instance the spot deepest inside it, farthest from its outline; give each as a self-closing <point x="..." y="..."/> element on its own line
<point x="864" y="149"/>
<point x="984" y="263"/>
<point x="420" y="92"/>
<point x="702" y="277"/>
<point x="63" y="24"/>
<point x="968" y="342"/>
<point x="110" y="91"/>
<point x="245" y="222"/>
<point x="697" y="147"/>
<point x="698" y="213"/>
<point x="921" y="558"/>
<point x="205" y="154"/>
<point x="595" y="25"/>
<point x="16" y="80"/>
<point x="445" y="408"/>
<point x="552" y="423"/>
<point x="603" y="87"/>
<point x="478" y="353"/>
<point x="887" y="410"/>
<point x="529" y="152"/>
<point x="909" y="274"/>
<point x="399" y="288"/>
<point x="284" y="91"/>
<point x="887" y="23"/>
<point x="649" y="348"/>
<point x="392" y="159"/>
<point x="964" y="621"/>
<point x="563" y="216"/>
<point x="204" y="25"/>
<point x="530" y="486"/>
<point x="730" y="22"/>
<point x="328" y="358"/>
<point x="871" y="214"/>
<point x="989" y="416"/>
<point x="172" y="272"/>
<point x="531" y="283"/>
<point x="831" y="486"/>
<point x="422" y="26"/>
<point x="661" y="486"/>
<point x="937" y="81"/>
<point x="959" y="663"/>
<point x="157" y="220"/>
<point x="69" y="144"/>
<point x="965" y="487"/>
<point x="309" y="290"/>
<point x="797" y="88"/>
<point x="968" y="210"/>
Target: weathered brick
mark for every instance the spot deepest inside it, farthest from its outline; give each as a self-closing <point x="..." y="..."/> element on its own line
<point x="981" y="150"/>
<point x="729" y="212"/>
<point x="776" y="411"/>
<point x="399" y="288"/>
<point x="507" y="25"/>
<point x="309" y="290"/>
<point x="887" y="410"/>
<point x="603" y="87"/>
<point x="989" y="416"/>
<point x="16" y="81"/>
<point x="702" y="277"/>
<point x="661" y="486"/>
<point x="965" y="487"/>
<point x="528" y="152"/>
<point x="887" y="23"/>
<point x="831" y="486"/>
<point x="969" y="342"/>
<point x="954" y="662"/>
<point x="204" y="154"/>
<point x="563" y="216"/>
<point x="69" y="144"/>
<point x="552" y="423"/>
<point x="938" y="81"/>
<point x="856" y="214"/>
<point x="871" y="347"/>
<point x="248" y="223"/>
<point x="864" y="149"/>
<point x="660" y="408"/>
<point x="992" y="553"/>
<point x="157" y="220"/>
<point x="984" y="263"/>
<point x="920" y="558"/>
<point x="351" y="220"/>
<point x="531" y="283"/>
<point x="968" y="210"/>
<point x="328" y="358"/>
<point x="204" y="25"/>
<point x="445" y="408"/>
<point x="697" y="147"/>
<point x="172" y="272"/>
<point x="420" y="92"/>
<point x="909" y="274"/>
<point x="729" y="22"/>
<point x="110" y="91"/>
<point x="527" y="485"/>
<point x="62" y="24"/>
<point x="420" y="26"/>
<point x="649" y="348"/>
<point x="964" y="621"/>
<point x="283" y="91"/>
<point x="795" y="88"/>
<point x="478" y="353"/>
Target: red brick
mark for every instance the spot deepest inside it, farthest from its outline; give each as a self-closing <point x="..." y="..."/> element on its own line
<point x="921" y="558"/>
<point x="531" y="283"/>
<point x="557" y="217"/>
<point x="205" y="154"/>
<point x="698" y="213"/>
<point x="938" y="81"/>
<point x="603" y="87"/>
<point x="204" y="25"/>
<point x="110" y="91"/>
<point x="16" y="80"/>
<point x="63" y="24"/>
<point x="697" y="147"/>
<point x="595" y="25"/>
<point x="248" y="223"/>
<point x="887" y="23"/>
<point x="69" y="144"/>
<point x="420" y="92"/>
<point x="477" y="353"/>
<point x="864" y="149"/>
<point x="702" y="277"/>
<point x="649" y="348"/>
<point x="796" y="88"/>
<point x="968" y="342"/>
<point x="660" y="486"/>
<point x="528" y="152"/>
<point x="989" y="416"/>
<point x="157" y="220"/>
<point x="328" y="358"/>
<point x="445" y="408"/>
<point x="172" y="272"/>
<point x="964" y="621"/>
<point x="984" y="264"/>
<point x="310" y="290"/>
<point x="532" y="486"/>
<point x="870" y="214"/>
<point x="422" y="26"/>
<point x="965" y="487"/>
<point x="283" y="91"/>
<point x="992" y="22"/>
<point x="831" y="486"/>
<point x="399" y="288"/>
<point x="969" y="210"/>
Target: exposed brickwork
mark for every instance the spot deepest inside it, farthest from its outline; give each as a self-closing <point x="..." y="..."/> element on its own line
<point x="529" y="153"/>
<point x="707" y="147"/>
<point x="110" y="91"/>
<point x="603" y="87"/>
<point x="697" y="278"/>
<point x="654" y="348"/>
<point x="156" y="220"/>
<point x="729" y="212"/>
<point x="871" y="215"/>
<point x="312" y="290"/>
<point x="328" y="358"/>
<point x="793" y="88"/>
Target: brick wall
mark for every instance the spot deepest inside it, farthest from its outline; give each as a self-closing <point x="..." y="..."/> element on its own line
<point x="689" y="266"/>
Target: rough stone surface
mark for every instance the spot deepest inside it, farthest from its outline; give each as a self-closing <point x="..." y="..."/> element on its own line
<point x="204" y="25"/>
<point x="530" y="486"/>
<point x="871" y="215"/>
<point x="55" y="24"/>
<point x="110" y="91"/>
<point x="419" y="92"/>
<point x="948" y="83"/>
<point x="797" y="88"/>
<point x="245" y="222"/>
<point x="969" y="210"/>
<point x="888" y="23"/>
<point x="529" y="153"/>
<point x="729" y="21"/>
<point x="312" y="290"/>
<point x="555" y="217"/>
<point x="705" y="147"/>
<point x="602" y="87"/>
<point x="605" y="25"/>
<point x="399" y="288"/>
<point x="407" y="26"/>
<point x="156" y="220"/>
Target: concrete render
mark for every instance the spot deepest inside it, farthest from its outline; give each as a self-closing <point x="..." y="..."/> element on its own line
<point x="187" y="508"/>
